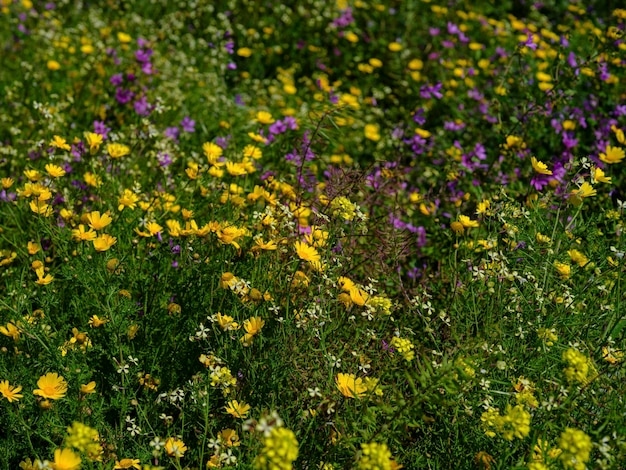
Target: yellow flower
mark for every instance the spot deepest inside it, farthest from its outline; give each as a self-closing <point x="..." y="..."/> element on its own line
<point x="118" y="150"/>
<point x="79" y="234"/>
<point x="175" y="447"/>
<point x="229" y="437"/>
<point x="252" y="151"/>
<point x="11" y="331"/>
<point x="578" y="258"/>
<point x="212" y="152"/>
<point x="263" y="117"/>
<point x="358" y="296"/>
<point x="467" y="222"/>
<point x="97" y="221"/>
<point x="279" y="452"/>
<point x="540" y="167"/>
<point x="96" y="322"/>
<point x="10" y="392"/>
<point x="40" y="207"/>
<point x="66" y="459"/>
<point x="42" y="278"/>
<point x="55" y="171"/>
<point x="576" y="448"/>
<point x="244" y="52"/>
<point x="127" y="463"/>
<point x="254" y="325"/>
<point x="350" y="386"/>
<point x="93" y="141"/>
<point x="307" y="252"/>
<point x="612" y="155"/>
<point x="124" y="38"/>
<point x="395" y="46"/>
<point x="372" y="132"/>
<point x="59" y="143"/>
<point x="564" y="269"/>
<point x="612" y="355"/>
<point x="236" y="409"/>
<point x="128" y="199"/>
<point x="584" y="191"/>
<point x="53" y="65"/>
<point x="52" y="386"/>
<point x="104" y="242"/>
<point x="92" y="179"/>
<point x="599" y="176"/>
<point x="88" y="388"/>
<point x="375" y="456"/>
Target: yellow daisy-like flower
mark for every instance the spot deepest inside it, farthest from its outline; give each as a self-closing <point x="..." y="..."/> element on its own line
<point x="599" y="176"/>
<point x="263" y="117"/>
<point x="585" y="190"/>
<point x="10" y="392"/>
<point x="88" y="388"/>
<point x="307" y="252"/>
<point x="60" y="143"/>
<point x="116" y="150"/>
<point x="612" y="155"/>
<point x="175" y="447"/>
<point x="79" y="234"/>
<point x="43" y="279"/>
<point x="127" y="463"/>
<point x="104" y="242"/>
<point x="52" y="386"/>
<point x="254" y="325"/>
<point x="244" y="52"/>
<point x="128" y="199"/>
<point x="212" y="152"/>
<point x="350" y="386"/>
<point x="564" y="270"/>
<point x="236" y="409"/>
<point x="94" y="141"/>
<point x="55" y="171"/>
<point x="11" y="331"/>
<point x="97" y="221"/>
<point x="540" y="167"/>
<point x="66" y="459"/>
<point x="467" y="222"/>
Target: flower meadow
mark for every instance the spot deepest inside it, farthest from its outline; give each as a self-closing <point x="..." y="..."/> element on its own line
<point x="325" y="235"/>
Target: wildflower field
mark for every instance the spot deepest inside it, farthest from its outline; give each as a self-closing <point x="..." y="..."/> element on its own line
<point x="324" y="235"/>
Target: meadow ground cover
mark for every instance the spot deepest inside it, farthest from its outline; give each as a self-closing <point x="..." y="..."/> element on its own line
<point x="316" y="235"/>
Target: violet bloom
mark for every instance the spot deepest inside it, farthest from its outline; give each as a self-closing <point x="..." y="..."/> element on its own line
<point x="123" y="96"/>
<point x="230" y="47"/>
<point x="146" y="68"/>
<point x="278" y="127"/>
<point x="142" y="107"/>
<point x="99" y="127"/>
<point x="164" y="159"/>
<point x="419" y="117"/>
<point x="429" y="91"/>
<point x="188" y="124"/>
<point x="172" y="133"/>
<point x="117" y="79"/>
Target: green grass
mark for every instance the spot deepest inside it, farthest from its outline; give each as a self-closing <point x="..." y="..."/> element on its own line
<point x="388" y="281"/>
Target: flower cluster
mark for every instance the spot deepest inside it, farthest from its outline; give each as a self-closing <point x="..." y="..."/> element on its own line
<point x="280" y="450"/>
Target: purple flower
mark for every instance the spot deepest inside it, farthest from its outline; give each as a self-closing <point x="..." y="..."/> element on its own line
<point x="99" y="127"/>
<point x="142" y="107"/>
<point x="143" y="55"/>
<point x="164" y="159"/>
<point x="172" y="133"/>
<point x="117" y="79"/>
<point x="277" y="127"/>
<point x="188" y="124"/>
<point x="428" y="91"/>
<point x="123" y="96"/>
<point x="230" y="47"/>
